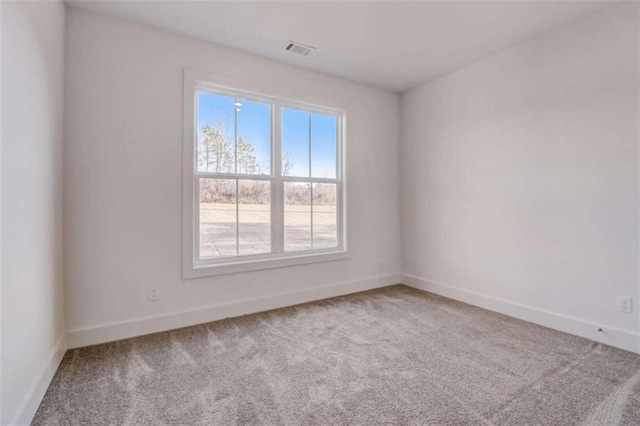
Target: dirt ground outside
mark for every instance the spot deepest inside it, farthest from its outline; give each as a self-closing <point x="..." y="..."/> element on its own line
<point x="218" y="228"/>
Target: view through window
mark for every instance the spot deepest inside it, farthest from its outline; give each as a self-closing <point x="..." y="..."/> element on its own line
<point x="268" y="177"/>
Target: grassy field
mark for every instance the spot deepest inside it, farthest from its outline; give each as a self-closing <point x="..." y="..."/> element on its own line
<point x="218" y="228"/>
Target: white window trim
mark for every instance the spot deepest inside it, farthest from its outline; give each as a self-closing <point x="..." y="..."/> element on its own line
<point x="191" y="267"/>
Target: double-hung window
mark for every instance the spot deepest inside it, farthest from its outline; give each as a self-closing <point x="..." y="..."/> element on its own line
<point x="264" y="181"/>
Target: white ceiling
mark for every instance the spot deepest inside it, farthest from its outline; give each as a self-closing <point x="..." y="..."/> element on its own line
<point x="393" y="45"/>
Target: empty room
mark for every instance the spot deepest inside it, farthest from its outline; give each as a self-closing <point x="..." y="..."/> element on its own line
<point x="319" y="213"/>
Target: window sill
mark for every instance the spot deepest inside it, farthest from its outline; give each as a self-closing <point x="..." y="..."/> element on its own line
<point x="239" y="266"/>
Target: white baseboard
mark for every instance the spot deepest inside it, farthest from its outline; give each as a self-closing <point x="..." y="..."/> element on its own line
<point x="36" y="392"/>
<point x="611" y="336"/>
<point x="138" y="327"/>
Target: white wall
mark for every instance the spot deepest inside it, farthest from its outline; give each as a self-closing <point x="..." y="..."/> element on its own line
<point x="123" y="166"/>
<point x="520" y="178"/>
<point x="32" y="106"/>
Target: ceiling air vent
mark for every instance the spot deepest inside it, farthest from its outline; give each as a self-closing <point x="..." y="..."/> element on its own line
<point x="300" y="49"/>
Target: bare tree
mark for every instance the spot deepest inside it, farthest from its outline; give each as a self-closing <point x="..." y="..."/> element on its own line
<point x="218" y="155"/>
<point x="214" y="152"/>
<point x="287" y="164"/>
<point x="246" y="158"/>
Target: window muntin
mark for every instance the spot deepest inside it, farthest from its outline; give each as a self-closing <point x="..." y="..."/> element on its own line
<point x="268" y="178"/>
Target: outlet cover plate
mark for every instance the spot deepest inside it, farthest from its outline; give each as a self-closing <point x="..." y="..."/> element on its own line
<point x="626" y="305"/>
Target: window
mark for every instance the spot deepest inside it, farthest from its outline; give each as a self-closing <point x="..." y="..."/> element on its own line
<point x="263" y="181"/>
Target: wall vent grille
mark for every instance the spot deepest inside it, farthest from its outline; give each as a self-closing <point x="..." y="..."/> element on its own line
<point x="299" y="48"/>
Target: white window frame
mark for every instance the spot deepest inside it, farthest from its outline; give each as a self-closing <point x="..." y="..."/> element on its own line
<point x="196" y="81"/>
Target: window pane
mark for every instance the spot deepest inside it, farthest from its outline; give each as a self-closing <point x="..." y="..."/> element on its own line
<point x="215" y="133"/>
<point x="297" y="216"/>
<point x="218" y="218"/>
<point x="323" y="145"/>
<point x="325" y="215"/>
<point x="295" y="142"/>
<point x="254" y="212"/>
<point x="254" y="137"/>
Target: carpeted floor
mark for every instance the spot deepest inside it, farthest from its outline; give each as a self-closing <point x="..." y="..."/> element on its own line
<point x="389" y="356"/>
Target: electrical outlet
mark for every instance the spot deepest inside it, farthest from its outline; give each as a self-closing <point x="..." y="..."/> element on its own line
<point x="625" y="305"/>
<point x="154" y="294"/>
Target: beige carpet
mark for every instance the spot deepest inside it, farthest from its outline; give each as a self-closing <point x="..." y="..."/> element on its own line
<point x="393" y="356"/>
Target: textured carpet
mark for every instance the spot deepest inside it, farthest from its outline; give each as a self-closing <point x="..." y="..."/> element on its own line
<point x="388" y="356"/>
